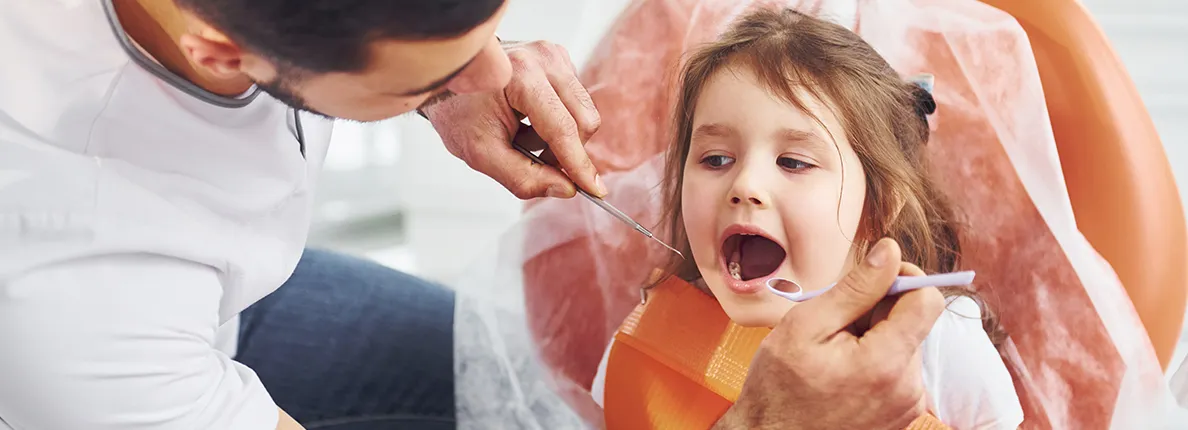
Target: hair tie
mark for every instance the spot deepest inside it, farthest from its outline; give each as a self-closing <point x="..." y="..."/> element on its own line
<point x="922" y="102"/>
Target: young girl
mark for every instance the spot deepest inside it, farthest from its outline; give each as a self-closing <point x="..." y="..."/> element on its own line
<point x="796" y="147"/>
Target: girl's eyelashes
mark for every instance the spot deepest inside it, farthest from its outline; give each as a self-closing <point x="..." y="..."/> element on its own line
<point x="716" y="161"/>
<point x="792" y="164"/>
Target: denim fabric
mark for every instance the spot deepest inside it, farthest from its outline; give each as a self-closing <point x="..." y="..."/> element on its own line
<point x="347" y="344"/>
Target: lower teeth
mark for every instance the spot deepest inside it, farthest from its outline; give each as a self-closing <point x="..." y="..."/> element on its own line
<point x="735" y="270"/>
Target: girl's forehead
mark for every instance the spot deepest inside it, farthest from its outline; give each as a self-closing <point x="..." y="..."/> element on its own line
<point x="734" y="102"/>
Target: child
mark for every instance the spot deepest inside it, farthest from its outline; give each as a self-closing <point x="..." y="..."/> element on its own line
<point x="796" y="147"/>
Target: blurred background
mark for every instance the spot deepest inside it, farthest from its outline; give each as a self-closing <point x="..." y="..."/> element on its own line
<point x="392" y="193"/>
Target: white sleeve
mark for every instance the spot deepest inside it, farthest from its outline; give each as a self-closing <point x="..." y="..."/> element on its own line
<point x="598" y="387"/>
<point x="964" y="374"/>
<point x="121" y="342"/>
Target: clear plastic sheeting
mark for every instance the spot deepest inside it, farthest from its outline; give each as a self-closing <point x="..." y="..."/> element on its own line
<point x="534" y="316"/>
<point x="502" y="381"/>
<point x="1179" y="384"/>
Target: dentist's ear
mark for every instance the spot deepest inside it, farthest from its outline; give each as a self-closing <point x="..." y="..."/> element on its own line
<point x="218" y="56"/>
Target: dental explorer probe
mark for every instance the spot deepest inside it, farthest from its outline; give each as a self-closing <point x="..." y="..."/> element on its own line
<point x="603" y="204"/>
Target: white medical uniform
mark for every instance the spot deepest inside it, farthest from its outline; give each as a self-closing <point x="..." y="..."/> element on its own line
<point x="139" y="215"/>
<point x="963" y="374"/>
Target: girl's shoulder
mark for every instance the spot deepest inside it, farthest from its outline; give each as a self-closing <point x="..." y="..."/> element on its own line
<point x="964" y="374"/>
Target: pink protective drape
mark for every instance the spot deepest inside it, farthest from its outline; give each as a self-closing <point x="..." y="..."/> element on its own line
<point x="1077" y="351"/>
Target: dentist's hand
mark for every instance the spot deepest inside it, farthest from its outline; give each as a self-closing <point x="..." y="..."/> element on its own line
<point x="479" y="128"/>
<point x="817" y="370"/>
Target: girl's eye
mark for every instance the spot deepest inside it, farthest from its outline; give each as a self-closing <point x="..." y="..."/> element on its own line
<point x="792" y="164"/>
<point x="716" y="161"/>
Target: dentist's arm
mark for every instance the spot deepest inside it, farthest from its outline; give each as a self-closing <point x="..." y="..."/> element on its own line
<point x="816" y="371"/>
<point x="122" y="342"/>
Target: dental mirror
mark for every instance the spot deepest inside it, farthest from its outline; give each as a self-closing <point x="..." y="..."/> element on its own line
<point x="791" y="290"/>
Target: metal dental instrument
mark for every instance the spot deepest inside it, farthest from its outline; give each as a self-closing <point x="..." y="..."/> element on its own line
<point x="604" y="205"/>
<point x="901" y="285"/>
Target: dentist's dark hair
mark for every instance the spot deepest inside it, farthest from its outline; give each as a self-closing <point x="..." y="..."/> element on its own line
<point x="883" y="117"/>
<point x="322" y="36"/>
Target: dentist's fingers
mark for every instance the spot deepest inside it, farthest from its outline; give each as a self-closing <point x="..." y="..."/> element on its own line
<point x="578" y="101"/>
<point x="856" y="295"/>
<point x="479" y="127"/>
<point x="519" y="174"/>
<point x="528" y="139"/>
<point x="904" y="324"/>
<point x="909" y="321"/>
<point x="883" y="309"/>
<point x="909" y="269"/>
<point x="536" y="97"/>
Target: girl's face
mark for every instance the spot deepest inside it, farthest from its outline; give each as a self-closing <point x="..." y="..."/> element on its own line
<point x="765" y="196"/>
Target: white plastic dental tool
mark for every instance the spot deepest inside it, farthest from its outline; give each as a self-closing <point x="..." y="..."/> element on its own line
<point x="901" y="285"/>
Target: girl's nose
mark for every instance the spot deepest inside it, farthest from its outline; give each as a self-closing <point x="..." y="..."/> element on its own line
<point x="747" y="192"/>
<point x="752" y="200"/>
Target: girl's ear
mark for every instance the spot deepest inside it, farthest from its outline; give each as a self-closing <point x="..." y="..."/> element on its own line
<point x="879" y="216"/>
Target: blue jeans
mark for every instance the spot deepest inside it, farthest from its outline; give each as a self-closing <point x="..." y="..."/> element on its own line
<point x="348" y="344"/>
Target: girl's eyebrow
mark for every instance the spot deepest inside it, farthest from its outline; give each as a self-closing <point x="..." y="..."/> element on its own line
<point x="714" y="129"/>
<point x="807" y="139"/>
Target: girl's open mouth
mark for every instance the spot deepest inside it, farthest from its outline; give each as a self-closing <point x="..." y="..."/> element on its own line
<point x="749" y="255"/>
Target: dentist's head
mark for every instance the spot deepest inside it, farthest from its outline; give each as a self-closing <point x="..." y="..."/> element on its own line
<point x="364" y="60"/>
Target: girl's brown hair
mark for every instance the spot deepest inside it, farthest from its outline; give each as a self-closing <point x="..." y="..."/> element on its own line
<point x="881" y="114"/>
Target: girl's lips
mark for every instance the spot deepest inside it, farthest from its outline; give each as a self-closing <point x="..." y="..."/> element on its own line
<point x="738" y="286"/>
<point x="741" y="287"/>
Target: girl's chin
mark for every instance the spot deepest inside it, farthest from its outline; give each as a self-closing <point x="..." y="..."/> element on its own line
<point x="766" y="313"/>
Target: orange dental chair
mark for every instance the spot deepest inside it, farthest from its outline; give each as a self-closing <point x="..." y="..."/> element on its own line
<point x="1118" y="177"/>
<point x="1073" y="329"/>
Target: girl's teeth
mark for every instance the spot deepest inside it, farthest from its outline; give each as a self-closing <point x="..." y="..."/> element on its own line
<point x="733" y="263"/>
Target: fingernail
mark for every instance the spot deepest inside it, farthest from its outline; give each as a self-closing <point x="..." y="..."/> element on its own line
<point x="879" y="255"/>
<point x="602" y="191"/>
